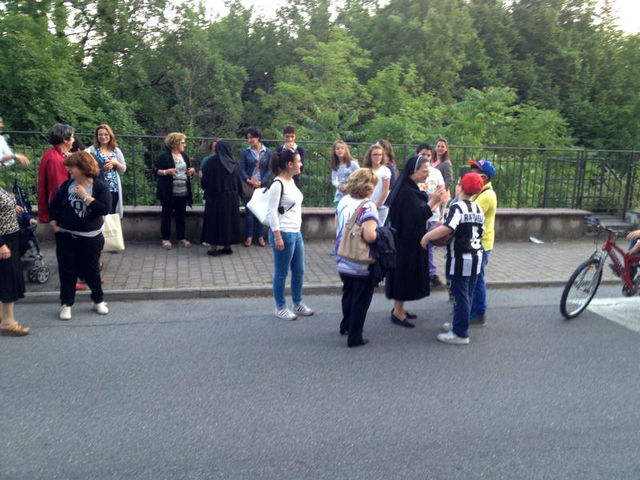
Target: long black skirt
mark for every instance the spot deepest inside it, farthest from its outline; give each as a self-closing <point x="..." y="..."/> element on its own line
<point x="11" y="278"/>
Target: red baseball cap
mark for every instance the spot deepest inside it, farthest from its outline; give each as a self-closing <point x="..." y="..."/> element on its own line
<point x="471" y="183"/>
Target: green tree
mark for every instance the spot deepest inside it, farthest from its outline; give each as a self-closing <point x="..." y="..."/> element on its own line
<point x="41" y="83"/>
<point x="323" y="93"/>
<point x="191" y="80"/>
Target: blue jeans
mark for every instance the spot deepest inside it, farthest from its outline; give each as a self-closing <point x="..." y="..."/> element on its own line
<point x="249" y="220"/>
<point x="479" y="302"/>
<point x="291" y="256"/>
<point x="634" y="269"/>
<point x="462" y="290"/>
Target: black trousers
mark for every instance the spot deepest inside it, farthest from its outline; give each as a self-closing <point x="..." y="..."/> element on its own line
<point x="176" y="207"/>
<point x="78" y="257"/>
<point x="357" y="293"/>
<point x="114" y="201"/>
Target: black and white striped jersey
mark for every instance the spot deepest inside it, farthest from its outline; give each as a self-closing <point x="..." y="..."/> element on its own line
<point x="464" y="251"/>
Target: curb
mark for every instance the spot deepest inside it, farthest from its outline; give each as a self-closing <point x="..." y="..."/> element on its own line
<point x="257" y="291"/>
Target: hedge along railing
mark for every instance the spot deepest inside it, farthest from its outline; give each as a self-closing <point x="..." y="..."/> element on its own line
<point x="602" y="181"/>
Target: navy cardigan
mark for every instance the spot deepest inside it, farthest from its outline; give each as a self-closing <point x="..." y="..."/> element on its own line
<point x="164" y="191"/>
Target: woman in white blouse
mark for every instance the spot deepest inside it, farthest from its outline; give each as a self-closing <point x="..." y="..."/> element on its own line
<point x="376" y="160"/>
<point x="285" y="220"/>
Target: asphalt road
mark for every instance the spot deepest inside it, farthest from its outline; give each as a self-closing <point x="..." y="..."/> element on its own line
<point x="212" y="389"/>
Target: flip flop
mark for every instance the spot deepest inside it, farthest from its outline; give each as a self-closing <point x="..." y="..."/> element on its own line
<point x="15" y="330"/>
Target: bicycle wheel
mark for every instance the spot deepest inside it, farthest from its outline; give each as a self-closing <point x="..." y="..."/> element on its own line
<point x="581" y="288"/>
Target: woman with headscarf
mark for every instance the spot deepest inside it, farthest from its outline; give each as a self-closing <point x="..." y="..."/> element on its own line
<point x="221" y="183"/>
<point x="409" y="210"/>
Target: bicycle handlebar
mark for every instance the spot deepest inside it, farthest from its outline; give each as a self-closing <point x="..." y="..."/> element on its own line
<point x="594" y="222"/>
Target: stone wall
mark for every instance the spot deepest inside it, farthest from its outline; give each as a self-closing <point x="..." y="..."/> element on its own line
<point x="143" y="224"/>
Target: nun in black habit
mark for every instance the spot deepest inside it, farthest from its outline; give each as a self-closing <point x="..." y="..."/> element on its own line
<point x="222" y="186"/>
<point x="409" y="209"/>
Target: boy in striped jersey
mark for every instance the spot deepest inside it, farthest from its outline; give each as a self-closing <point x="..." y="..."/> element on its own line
<point x="465" y="222"/>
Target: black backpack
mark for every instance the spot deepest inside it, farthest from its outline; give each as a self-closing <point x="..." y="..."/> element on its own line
<point x="384" y="251"/>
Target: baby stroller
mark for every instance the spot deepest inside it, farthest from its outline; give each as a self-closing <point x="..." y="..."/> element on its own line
<point x="29" y="249"/>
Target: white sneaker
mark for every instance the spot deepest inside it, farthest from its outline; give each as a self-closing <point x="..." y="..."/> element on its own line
<point x="65" y="312"/>
<point x="285" y="314"/>
<point x="452" y="338"/>
<point x="446" y="327"/>
<point x="101" y="308"/>
<point x="302" y="309"/>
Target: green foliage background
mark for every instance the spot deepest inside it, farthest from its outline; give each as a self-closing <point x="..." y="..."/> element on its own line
<point x="529" y="72"/>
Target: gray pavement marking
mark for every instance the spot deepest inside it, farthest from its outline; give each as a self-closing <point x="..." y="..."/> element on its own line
<point x="624" y="311"/>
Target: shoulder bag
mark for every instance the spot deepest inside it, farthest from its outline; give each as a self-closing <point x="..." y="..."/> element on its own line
<point x="352" y="245"/>
<point x="112" y="232"/>
<point x="259" y="203"/>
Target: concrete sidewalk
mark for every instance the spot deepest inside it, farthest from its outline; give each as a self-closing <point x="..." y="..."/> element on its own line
<point x="145" y="270"/>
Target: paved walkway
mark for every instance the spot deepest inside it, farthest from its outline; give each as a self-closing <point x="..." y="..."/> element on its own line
<point x="146" y="271"/>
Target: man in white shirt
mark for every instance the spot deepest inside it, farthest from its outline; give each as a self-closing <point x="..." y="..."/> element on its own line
<point x="7" y="157"/>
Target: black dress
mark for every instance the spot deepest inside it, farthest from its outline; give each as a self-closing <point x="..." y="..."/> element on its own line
<point x="408" y="214"/>
<point x="222" y="188"/>
<point x="11" y="279"/>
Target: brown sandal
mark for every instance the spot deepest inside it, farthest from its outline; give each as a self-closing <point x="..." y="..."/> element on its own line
<point x="261" y="242"/>
<point x="248" y="242"/>
<point x="15" y="330"/>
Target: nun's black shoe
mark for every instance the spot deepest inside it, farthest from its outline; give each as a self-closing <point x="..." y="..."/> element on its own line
<point x="409" y="315"/>
<point x="364" y="341"/>
<point x="225" y="251"/>
<point x="213" y="253"/>
<point x="402" y="323"/>
<point x="343" y="330"/>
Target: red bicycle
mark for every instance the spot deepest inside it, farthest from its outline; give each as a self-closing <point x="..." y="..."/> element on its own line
<point x="584" y="282"/>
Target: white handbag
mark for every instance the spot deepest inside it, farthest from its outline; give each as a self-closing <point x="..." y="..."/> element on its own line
<point x="112" y="232"/>
<point x="259" y="203"/>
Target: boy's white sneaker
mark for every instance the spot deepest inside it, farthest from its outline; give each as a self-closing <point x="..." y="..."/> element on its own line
<point x="65" y="312"/>
<point x="101" y="308"/>
<point x="302" y="309"/>
<point x="285" y="314"/>
<point x="452" y="338"/>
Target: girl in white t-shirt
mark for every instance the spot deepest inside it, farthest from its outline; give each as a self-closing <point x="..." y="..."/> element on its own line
<point x="285" y="237"/>
<point x="376" y="160"/>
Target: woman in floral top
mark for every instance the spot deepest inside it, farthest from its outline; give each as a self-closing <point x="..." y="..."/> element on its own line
<point x="11" y="280"/>
<point x="111" y="162"/>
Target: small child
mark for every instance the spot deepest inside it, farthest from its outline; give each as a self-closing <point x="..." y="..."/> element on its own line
<point x="634" y="249"/>
<point x="464" y="254"/>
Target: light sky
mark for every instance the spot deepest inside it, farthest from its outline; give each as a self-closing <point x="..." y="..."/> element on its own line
<point x="628" y="11"/>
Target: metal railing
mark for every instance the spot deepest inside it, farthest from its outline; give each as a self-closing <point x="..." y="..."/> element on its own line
<point x="596" y="180"/>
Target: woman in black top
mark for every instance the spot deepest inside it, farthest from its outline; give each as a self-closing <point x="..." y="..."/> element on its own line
<point x="76" y="214"/>
<point x="174" y="187"/>
<point x="409" y="209"/>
